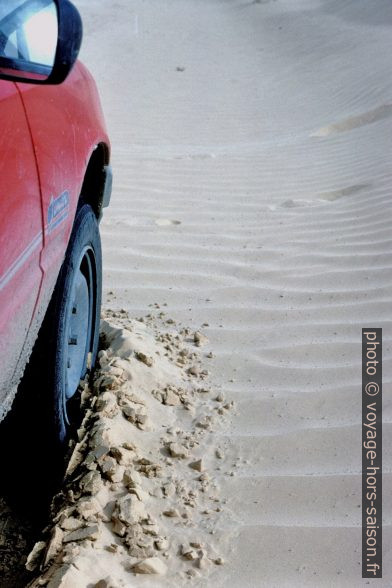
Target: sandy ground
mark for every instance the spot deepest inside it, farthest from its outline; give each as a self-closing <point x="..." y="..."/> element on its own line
<point x="141" y="502"/>
<point x="252" y="145"/>
<point x="251" y="151"/>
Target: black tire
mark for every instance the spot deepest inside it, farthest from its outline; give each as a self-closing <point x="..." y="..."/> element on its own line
<point x="35" y="431"/>
<point x="63" y="357"/>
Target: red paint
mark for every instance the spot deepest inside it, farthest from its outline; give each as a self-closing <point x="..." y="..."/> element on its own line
<point x="47" y="136"/>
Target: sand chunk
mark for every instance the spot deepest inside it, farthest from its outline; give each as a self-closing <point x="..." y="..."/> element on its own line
<point x="129" y="510"/>
<point x="107" y="405"/>
<point x="151" y="565"/>
<point x="197" y="465"/>
<point x="35" y="556"/>
<point x="170" y="398"/>
<point x="106" y="583"/>
<point x="55" y="545"/>
<point x="161" y="544"/>
<point x="61" y="578"/>
<point x="88" y="508"/>
<point x="177" y="450"/>
<point x="91" y="483"/>
<point x="132" y="478"/>
<point x="109" y="467"/>
<point x="171" y="513"/>
<point x="92" y="533"/>
<point x="71" y="524"/>
<point x="199" y="339"/>
<point x="148" y="361"/>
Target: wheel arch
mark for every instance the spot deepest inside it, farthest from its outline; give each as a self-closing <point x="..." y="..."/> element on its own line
<point x="97" y="182"/>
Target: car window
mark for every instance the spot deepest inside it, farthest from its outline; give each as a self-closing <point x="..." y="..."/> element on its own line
<point x="28" y="31"/>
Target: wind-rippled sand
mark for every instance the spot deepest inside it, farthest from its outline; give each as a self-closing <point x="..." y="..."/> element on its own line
<point x="252" y="151"/>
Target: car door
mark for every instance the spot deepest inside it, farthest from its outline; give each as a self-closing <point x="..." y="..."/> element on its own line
<point x="21" y="237"/>
<point x="66" y="124"/>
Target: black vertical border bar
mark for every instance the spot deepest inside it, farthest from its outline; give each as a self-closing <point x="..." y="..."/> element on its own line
<point x="371" y="403"/>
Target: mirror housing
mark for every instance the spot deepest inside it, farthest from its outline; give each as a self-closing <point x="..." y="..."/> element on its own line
<point x="69" y="39"/>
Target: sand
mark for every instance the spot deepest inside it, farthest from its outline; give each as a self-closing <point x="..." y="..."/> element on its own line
<point x="140" y="502"/>
<point x="252" y="157"/>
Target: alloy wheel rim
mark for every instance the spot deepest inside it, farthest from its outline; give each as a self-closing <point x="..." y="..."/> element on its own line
<point x="79" y="326"/>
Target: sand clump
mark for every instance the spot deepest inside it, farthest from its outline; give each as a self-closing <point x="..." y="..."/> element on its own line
<point x="139" y="496"/>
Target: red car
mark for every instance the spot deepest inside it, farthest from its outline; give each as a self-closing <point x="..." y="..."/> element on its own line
<point x="55" y="180"/>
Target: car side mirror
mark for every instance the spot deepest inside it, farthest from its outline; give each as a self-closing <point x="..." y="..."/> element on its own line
<point x="39" y="40"/>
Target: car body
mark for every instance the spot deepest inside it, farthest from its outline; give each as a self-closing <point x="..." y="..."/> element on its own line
<point x="54" y="151"/>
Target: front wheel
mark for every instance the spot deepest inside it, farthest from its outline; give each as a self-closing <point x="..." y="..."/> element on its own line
<point x="71" y="328"/>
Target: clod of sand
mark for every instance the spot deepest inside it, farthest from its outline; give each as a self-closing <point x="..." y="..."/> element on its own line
<point x="98" y="453"/>
<point x="189" y="551"/>
<point x="203" y="561"/>
<point x="169" y="489"/>
<point x="59" y="578"/>
<point x="129" y="412"/>
<point x="177" y="450"/>
<point x="205" y="422"/>
<point x="109" y="468"/>
<point x="87" y="508"/>
<point x="55" y="545"/>
<point x="132" y="478"/>
<point x="191" y="573"/>
<point x="129" y="446"/>
<point x="107" y="405"/>
<point x="135" y="414"/>
<point x="91" y="483"/>
<point x="170" y="398"/>
<point x="171" y="513"/>
<point x="119" y="528"/>
<point x="148" y="361"/>
<point x="35" y="556"/>
<point x="98" y="437"/>
<point x="121" y="455"/>
<point x="106" y="583"/>
<point x="161" y="544"/>
<point x="199" y="339"/>
<point x="108" y="382"/>
<point x="193" y="371"/>
<point x="129" y="510"/>
<point x="151" y="565"/>
<point x="219" y="454"/>
<point x="197" y="465"/>
<point x="71" y="524"/>
<point x="92" y="533"/>
<point x="191" y="555"/>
